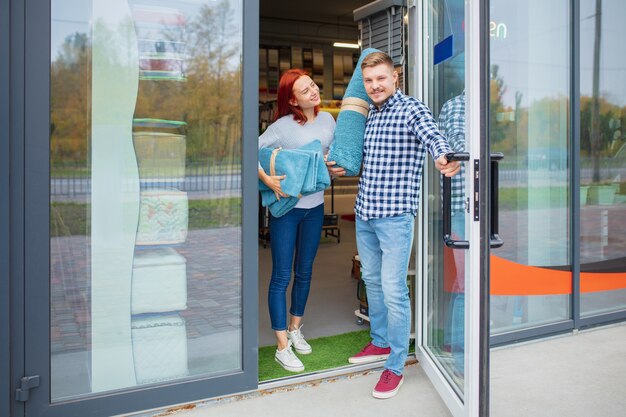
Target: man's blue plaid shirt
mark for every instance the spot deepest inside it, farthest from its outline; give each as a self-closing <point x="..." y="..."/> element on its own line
<point x="396" y="139"/>
<point x="452" y="124"/>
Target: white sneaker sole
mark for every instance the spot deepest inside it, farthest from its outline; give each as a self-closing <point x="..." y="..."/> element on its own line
<point x="289" y="368"/>
<point x="388" y="394"/>
<point x="303" y="351"/>
<point x="367" y="359"/>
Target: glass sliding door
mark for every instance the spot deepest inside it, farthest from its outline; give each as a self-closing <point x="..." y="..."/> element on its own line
<point x="447" y="98"/>
<point x="144" y="232"/>
<point x="531" y="279"/>
<point x="603" y="158"/>
<point x="452" y="344"/>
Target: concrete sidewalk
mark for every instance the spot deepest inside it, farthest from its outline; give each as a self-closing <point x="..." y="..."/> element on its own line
<point x="579" y="375"/>
<point x="337" y="397"/>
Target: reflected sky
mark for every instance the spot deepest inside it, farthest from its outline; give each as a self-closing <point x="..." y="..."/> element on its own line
<point x="71" y="16"/>
<point x="547" y="48"/>
<point x="612" y="51"/>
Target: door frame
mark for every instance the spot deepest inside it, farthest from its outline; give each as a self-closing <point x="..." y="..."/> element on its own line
<point x="12" y="41"/>
<point x="476" y="392"/>
<point x="5" y="206"/>
<point x="30" y="327"/>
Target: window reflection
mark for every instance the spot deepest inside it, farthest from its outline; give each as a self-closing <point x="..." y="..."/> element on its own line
<point x="529" y="124"/>
<point x="603" y="158"/>
<point x="145" y="227"/>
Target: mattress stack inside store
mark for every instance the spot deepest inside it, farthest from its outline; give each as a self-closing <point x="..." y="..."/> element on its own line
<point x="159" y="279"/>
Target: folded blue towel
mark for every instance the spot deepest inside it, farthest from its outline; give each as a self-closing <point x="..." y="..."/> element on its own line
<point x="320" y="179"/>
<point x="277" y="207"/>
<point x="347" y="147"/>
<point x="310" y="173"/>
<point x="289" y="163"/>
<point x="311" y="176"/>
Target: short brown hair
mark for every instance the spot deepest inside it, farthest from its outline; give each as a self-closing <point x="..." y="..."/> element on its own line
<point x="376" y="58"/>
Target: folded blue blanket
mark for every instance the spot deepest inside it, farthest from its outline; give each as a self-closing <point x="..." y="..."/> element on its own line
<point x="347" y="146"/>
<point x="305" y="173"/>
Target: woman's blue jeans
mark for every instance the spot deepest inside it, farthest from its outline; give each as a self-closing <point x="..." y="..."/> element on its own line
<point x="294" y="239"/>
<point x="384" y="247"/>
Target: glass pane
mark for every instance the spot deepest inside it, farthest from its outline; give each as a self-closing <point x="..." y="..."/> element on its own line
<point x="531" y="281"/>
<point x="145" y="205"/>
<point x="603" y="157"/>
<point x="445" y="338"/>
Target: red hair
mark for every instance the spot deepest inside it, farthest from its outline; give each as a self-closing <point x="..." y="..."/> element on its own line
<point x="285" y="95"/>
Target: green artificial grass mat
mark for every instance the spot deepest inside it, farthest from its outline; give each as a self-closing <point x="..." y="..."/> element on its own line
<point x="328" y="352"/>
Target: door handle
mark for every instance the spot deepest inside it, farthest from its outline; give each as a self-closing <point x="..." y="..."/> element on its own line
<point x="447" y="205"/>
<point x="495" y="241"/>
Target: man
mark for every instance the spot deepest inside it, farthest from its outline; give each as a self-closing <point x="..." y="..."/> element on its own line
<point x="398" y="132"/>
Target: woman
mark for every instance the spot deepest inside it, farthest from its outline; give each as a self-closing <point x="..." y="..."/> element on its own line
<point x="296" y="233"/>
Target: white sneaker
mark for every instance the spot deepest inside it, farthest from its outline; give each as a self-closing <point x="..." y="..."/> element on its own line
<point x="288" y="360"/>
<point x="297" y="339"/>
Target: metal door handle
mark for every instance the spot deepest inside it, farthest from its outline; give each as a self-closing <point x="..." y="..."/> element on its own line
<point x="495" y="241"/>
<point x="447" y="205"/>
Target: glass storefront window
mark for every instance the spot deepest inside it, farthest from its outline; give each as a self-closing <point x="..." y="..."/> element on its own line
<point x="531" y="280"/>
<point x="145" y="204"/>
<point x="603" y="157"/>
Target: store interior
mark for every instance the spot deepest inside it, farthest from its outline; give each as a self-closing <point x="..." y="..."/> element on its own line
<point x="301" y="35"/>
<point x="324" y="39"/>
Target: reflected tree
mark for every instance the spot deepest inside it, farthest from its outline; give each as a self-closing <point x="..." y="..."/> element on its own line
<point x="70" y="106"/>
<point x="596" y="136"/>
<point x="213" y="102"/>
<point x="502" y="119"/>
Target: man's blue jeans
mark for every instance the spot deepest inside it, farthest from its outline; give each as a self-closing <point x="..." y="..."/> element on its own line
<point x="454" y="332"/>
<point x="384" y="247"/>
<point x="295" y="233"/>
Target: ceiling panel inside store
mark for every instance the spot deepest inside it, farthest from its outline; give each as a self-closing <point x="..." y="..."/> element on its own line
<point x="311" y="23"/>
<point x="323" y="11"/>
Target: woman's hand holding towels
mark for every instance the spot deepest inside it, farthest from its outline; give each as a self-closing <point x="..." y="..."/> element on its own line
<point x="273" y="183"/>
<point x="287" y="174"/>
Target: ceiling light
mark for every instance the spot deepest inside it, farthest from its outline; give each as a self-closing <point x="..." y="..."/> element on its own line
<point x="346" y="45"/>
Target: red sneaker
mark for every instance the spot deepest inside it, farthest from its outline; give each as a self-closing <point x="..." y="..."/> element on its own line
<point x="388" y="385"/>
<point x="370" y="353"/>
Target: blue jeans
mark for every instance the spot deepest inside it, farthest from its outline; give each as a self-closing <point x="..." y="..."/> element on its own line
<point x="294" y="239"/>
<point x="384" y="247"/>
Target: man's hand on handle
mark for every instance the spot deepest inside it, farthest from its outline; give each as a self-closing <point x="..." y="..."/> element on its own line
<point x="447" y="168"/>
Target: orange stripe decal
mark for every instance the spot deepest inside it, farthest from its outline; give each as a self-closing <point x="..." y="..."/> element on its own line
<point x="511" y="278"/>
<point x="594" y="281"/>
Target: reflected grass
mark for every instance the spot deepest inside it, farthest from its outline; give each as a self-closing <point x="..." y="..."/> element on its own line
<point x="71" y="219"/>
<point x="516" y="198"/>
<point x="209" y="214"/>
<point x="191" y="169"/>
